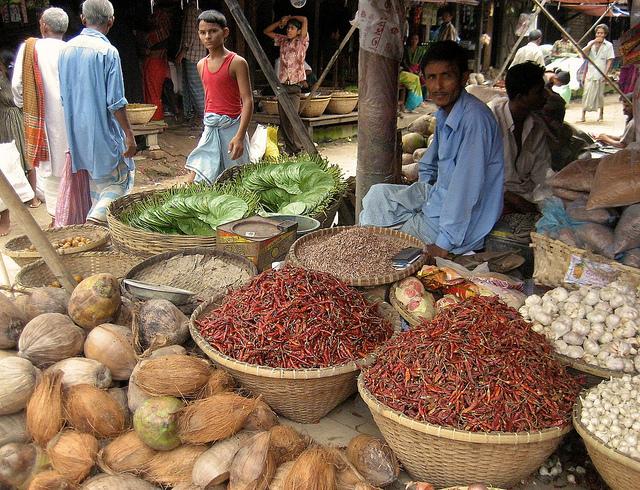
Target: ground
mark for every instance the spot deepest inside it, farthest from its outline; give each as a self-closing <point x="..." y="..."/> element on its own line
<point x="165" y="167"/>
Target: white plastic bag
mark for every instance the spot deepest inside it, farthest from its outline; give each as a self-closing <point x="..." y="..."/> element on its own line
<point x="258" y="143"/>
<point x="12" y="170"/>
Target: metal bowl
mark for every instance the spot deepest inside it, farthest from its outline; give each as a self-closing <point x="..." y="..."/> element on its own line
<point x="145" y="290"/>
<point x="306" y="224"/>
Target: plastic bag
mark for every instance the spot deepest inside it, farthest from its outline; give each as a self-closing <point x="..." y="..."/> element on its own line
<point x="617" y="181"/>
<point x="271" y="149"/>
<point x="554" y="218"/>
<point x="258" y="143"/>
<point x="577" y="176"/>
<point x="12" y="169"/>
<point x="74" y="200"/>
<point x="627" y="233"/>
<point x="576" y="210"/>
<point x="595" y="238"/>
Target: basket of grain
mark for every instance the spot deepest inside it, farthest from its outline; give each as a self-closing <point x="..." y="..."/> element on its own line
<point x="269" y="105"/>
<point x="140" y="113"/>
<point x="315" y="106"/>
<point x="342" y="103"/>
<point x="67" y="240"/>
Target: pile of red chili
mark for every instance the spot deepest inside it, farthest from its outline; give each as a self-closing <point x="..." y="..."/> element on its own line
<point x="477" y="366"/>
<point x="295" y="318"/>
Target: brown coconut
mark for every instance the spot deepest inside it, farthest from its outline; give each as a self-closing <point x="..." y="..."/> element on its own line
<point x="43" y="300"/>
<point x="219" y="381"/>
<point x="214" y="465"/>
<point x="287" y="443"/>
<point x="18" y="462"/>
<point x="374" y="459"/>
<point x="158" y="323"/>
<point x="277" y="482"/>
<point x="51" y="480"/>
<point x="45" y="415"/>
<point x="95" y="301"/>
<point x="313" y="470"/>
<point x="73" y="454"/>
<point x="92" y="410"/>
<point x="120" y="395"/>
<point x="214" y="418"/>
<point x="49" y="338"/>
<point x="117" y="482"/>
<point x="80" y="370"/>
<point x="262" y="417"/>
<point x="12" y="321"/>
<point x="173" y="375"/>
<point x="125" y="454"/>
<point x="347" y="477"/>
<point x="254" y="465"/>
<point x="125" y="313"/>
<point x="112" y="345"/>
<point x="173" y="467"/>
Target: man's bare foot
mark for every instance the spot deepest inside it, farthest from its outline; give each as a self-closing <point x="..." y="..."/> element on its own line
<point x="35" y="203"/>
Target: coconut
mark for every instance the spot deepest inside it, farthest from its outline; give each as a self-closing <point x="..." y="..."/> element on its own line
<point x="12" y="321"/>
<point x="8" y="353"/>
<point x="313" y="470"/>
<point x="50" y="480"/>
<point x="155" y="422"/>
<point x="73" y="454"/>
<point x="43" y="300"/>
<point x="17" y="382"/>
<point x="277" y="482"/>
<point x="18" y="462"/>
<point x="135" y="396"/>
<point x="418" y="154"/>
<point x="254" y="465"/>
<point x="219" y="382"/>
<point x="347" y="477"/>
<point x="49" y="338"/>
<point x="13" y="428"/>
<point x="287" y="443"/>
<point x="112" y="345"/>
<point x="92" y="410"/>
<point x="412" y="141"/>
<point x="125" y="313"/>
<point x="262" y="417"/>
<point x="125" y="454"/>
<point x="213" y="466"/>
<point x="173" y="467"/>
<point x="119" y="482"/>
<point x="167" y="351"/>
<point x="80" y="370"/>
<point x="214" y="418"/>
<point x="173" y="375"/>
<point x="95" y="301"/>
<point x="373" y="459"/>
<point x="425" y="125"/>
<point x="120" y="396"/>
<point x="44" y="410"/>
<point x="158" y="323"/>
<point x="407" y="159"/>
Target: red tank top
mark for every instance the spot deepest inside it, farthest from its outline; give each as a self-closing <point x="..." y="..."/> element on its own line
<point x="221" y="92"/>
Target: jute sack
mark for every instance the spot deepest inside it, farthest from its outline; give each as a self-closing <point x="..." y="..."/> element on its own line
<point x="617" y="181"/>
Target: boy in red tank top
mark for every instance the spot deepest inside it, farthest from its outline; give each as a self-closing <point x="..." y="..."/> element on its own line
<point x="228" y="103"/>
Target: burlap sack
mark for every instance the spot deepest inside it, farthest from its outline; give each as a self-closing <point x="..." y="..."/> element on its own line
<point x="617" y="181"/>
<point x="577" y="176"/>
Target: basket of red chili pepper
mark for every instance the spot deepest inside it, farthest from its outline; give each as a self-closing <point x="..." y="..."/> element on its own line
<point x="294" y="336"/>
<point x="472" y="395"/>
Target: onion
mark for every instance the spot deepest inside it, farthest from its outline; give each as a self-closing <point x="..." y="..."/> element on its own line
<point x="80" y="370"/>
<point x="17" y="382"/>
<point x="94" y="411"/>
<point x="18" y="462"/>
<point x="73" y="454"/>
<point x="13" y="428"/>
<point x="49" y="338"/>
<point x="119" y="482"/>
<point x="12" y="321"/>
<point x="112" y="345"/>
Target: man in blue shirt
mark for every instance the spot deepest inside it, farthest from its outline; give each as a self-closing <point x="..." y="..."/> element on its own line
<point x="458" y="197"/>
<point x="100" y="137"/>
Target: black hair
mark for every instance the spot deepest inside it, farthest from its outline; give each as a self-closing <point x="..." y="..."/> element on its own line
<point x="7" y="58"/>
<point x="535" y="35"/>
<point x="522" y="78"/>
<point x="213" y="17"/>
<point x="564" y="77"/>
<point x="295" y="23"/>
<point x="449" y="51"/>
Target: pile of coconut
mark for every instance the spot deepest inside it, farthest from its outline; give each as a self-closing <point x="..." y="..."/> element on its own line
<point x="415" y="144"/>
<point x="97" y="397"/>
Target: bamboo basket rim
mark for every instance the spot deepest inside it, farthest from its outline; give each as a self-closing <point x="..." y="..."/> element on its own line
<point x="362" y="281"/>
<point x="584" y="367"/>
<point x="271" y="372"/>
<point x="498" y="438"/>
<point x="411" y="319"/>
<point x="62" y="232"/>
<point x="610" y="453"/>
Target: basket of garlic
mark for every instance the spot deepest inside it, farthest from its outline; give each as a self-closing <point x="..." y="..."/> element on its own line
<point x="607" y="417"/>
<point x="594" y="330"/>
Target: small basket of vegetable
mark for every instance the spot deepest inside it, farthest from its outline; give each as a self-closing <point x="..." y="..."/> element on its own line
<point x="607" y="417"/>
<point x="66" y="240"/>
<point x="342" y="103"/>
<point x="295" y="337"/>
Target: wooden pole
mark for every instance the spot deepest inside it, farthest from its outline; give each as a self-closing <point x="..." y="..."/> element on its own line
<point x="35" y="234"/>
<point x="333" y="59"/>
<point x="581" y="51"/>
<point x="581" y="40"/>
<point x="486" y="55"/>
<point x="270" y="74"/>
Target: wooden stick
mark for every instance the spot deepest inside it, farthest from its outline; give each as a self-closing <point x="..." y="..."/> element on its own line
<point x="5" y="275"/>
<point x="35" y="234"/>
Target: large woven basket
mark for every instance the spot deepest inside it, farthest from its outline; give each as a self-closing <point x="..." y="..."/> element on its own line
<point x="270" y="106"/>
<point x="314" y="107"/>
<point x="592" y="375"/>
<point x="85" y="264"/>
<point x="342" y="104"/>
<point x="552" y="257"/>
<point x="140" y="113"/>
<point x="144" y="243"/>
<point x="17" y="248"/>
<point x="619" y="471"/>
<point x="295" y="258"/>
<point x="447" y="457"/>
<point x="302" y="395"/>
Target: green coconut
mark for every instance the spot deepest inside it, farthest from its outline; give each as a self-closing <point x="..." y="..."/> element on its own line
<point x="155" y="422"/>
<point x="412" y="141"/>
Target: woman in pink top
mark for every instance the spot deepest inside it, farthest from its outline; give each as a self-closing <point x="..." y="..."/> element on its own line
<point x="293" y="48"/>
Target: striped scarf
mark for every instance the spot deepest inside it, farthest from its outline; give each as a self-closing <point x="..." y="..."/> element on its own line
<point x="33" y="94"/>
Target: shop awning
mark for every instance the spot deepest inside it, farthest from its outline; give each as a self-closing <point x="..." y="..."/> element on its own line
<point x="462" y="2"/>
<point x="598" y="10"/>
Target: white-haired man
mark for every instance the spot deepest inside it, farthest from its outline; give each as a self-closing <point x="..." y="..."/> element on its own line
<point x="100" y="137"/>
<point x="36" y="89"/>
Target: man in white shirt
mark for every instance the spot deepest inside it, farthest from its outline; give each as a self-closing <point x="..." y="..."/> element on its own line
<point x="53" y="24"/>
<point x="526" y="151"/>
<point x="531" y="51"/>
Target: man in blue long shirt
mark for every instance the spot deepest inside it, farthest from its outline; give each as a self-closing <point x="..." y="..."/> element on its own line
<point x="100" y="137"/>
<point x="458" y="197"/>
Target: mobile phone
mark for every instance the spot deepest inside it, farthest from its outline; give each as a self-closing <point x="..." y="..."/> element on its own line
<point x="406" y="256"/>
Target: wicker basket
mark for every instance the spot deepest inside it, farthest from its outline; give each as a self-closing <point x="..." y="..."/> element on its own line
<point x="301" y="395"/>
<point x="17" y="248"/>
<point x="270" y="106"/>
<point x="84" y="264"/>
<point x="314" y="107"/>
<point x="140" y="113"/>
<point x="296" y="259"/>
<point x="341" y="104"/>
<point x="619" y="471"/>
<point x="144" y="243"/>
<point x="446" y="457"/>
<point x="593" y="375"/>
<point x="411" y="319"/>
<point x="552" y="257"/>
